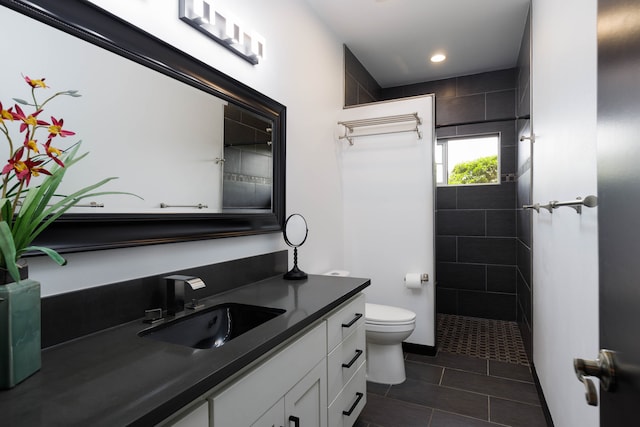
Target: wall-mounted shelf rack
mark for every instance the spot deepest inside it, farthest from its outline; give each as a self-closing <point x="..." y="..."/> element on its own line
<point x="351" y="125"/>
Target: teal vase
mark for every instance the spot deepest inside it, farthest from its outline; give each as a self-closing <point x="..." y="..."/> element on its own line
<point x="20" y="352"/>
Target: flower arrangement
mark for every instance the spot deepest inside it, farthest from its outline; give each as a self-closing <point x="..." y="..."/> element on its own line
<point x="26" y="211"/>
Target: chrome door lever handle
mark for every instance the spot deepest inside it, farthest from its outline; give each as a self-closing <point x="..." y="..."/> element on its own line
<point x="602" y="368"/>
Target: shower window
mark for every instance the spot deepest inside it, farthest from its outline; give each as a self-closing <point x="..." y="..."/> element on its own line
<point x="468" y="160"/>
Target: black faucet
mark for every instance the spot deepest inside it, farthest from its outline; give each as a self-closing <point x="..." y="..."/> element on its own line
<point x="180" y="288"/>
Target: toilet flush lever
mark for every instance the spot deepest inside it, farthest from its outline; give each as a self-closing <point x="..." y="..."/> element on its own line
<point x="603" y="368"/>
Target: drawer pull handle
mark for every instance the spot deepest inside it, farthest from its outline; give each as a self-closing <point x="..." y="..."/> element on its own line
<point x="354" y="320"/>
<point x="294" y="420"/>
<point x="353" y="407"/>
<point x="352" y="361"/>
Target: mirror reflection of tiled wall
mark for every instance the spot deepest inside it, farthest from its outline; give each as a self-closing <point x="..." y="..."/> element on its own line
<point x="248" y="166"/>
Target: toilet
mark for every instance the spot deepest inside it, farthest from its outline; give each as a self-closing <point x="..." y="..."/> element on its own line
<point x="386" y="327"/>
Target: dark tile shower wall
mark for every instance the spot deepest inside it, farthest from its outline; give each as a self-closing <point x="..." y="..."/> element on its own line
<point x="476" y="251"/>
<point x="524" y="174"/>
<point x="359" y="86"/>
<point x="476" y="226"/>
<point x="481" y="248"/>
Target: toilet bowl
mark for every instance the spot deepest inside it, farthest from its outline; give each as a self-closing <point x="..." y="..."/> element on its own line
<point x="386" y="327"/>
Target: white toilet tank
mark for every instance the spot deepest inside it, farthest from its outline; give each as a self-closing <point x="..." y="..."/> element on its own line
<point x="341" y="273"/>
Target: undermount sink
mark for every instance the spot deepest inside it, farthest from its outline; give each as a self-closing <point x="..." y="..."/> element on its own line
<point x="213" y="326"/>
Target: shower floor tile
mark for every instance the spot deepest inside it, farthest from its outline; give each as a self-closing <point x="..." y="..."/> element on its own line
<point x="490" y="339"/>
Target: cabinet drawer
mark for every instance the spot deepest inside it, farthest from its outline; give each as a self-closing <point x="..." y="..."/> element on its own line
<point x="345" y="360"/>
<point x="345" y="321"/>
<point x="344" y="411"/>
<point x="245" y="400"/>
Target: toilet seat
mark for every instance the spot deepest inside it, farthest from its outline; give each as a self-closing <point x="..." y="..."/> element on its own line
<point x="378" y="314"/>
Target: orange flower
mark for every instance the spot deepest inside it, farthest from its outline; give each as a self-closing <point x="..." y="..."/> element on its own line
<point x="14" y="163"/>
<point x="19" y="166"/>
<point x="5" y="114"/>
<point x="56" y="128"/>
<point x="33" y="169"/>
<point x="30" y="120"/>
<point x="30" y="144"/>
<point x="53" y="153"/>
<point x="35" y="83"/>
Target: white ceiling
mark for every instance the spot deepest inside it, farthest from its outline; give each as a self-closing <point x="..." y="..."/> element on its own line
<point x="394" y="39"/>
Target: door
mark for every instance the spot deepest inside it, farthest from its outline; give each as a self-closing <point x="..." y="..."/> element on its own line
<point x="274" y="417"/>
<point x="305" y="405"/>
<point x="619" y="203"/>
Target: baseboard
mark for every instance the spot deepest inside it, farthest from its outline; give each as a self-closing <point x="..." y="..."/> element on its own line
<point x="425" y="350"/>
<point x="543" y="401"/>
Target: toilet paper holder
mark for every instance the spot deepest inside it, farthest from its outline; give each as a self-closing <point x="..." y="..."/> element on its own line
<point x="424" y="277"/>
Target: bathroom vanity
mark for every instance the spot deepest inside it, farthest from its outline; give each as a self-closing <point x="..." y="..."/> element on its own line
<point x="306" y="363"/>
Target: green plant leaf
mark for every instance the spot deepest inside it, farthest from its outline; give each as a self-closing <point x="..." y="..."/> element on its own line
<point x="26" y="211"/>
<point x="8" y="249"/>
<point x="59" y="259"/>
<point x="42" y="205"/>
<point x="5" y="208"/>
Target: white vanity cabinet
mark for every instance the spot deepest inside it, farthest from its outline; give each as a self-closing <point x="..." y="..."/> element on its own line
<point x="292" y="382"/>
<point x="346" y="370"/>
<point x="317" y="379"/>
<point x="197" y="416"/>
<point x="273" y="417"/>
<point x="303" y="405"/>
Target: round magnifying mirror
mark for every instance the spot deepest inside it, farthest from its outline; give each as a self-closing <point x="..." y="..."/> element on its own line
<point x="295" y="234"/>
<point x="295" y="230"/>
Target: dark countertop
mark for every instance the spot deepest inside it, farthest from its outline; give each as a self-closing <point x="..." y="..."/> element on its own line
<point x="116" y="378"/>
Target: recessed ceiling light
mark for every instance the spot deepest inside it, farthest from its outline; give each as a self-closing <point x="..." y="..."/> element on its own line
<point x="438" y="57"/>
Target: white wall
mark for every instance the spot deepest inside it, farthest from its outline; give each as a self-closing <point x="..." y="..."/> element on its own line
<point x="386" y="177"/>
<point x="304" y="71"/>
<point x="565" y="249"/>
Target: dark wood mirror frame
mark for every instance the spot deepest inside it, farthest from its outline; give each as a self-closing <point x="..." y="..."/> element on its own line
<point x="94" y="231"/>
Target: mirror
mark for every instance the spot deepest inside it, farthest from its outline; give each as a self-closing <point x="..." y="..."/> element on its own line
<point x="295" y="234"/>
<point x="205" y="152"/>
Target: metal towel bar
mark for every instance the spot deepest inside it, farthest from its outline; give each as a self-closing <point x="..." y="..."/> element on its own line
<point x="198" y="206"/>
<point x="588" y="201"/>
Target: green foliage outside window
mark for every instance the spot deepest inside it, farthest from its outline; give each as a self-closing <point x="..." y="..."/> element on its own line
<point x="479" y="171"/>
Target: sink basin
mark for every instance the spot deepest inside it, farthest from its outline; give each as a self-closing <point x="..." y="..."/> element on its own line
<point x="212" y="327"/>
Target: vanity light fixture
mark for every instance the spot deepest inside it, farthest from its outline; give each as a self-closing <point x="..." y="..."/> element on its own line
<point x="438" y="57"/>
<point x="224" y="28"/>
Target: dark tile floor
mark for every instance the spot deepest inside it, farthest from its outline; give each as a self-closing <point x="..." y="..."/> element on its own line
<point x="455" y="390"/>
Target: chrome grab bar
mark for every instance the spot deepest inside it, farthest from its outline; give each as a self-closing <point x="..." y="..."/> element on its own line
<point x="589" y="202"/>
